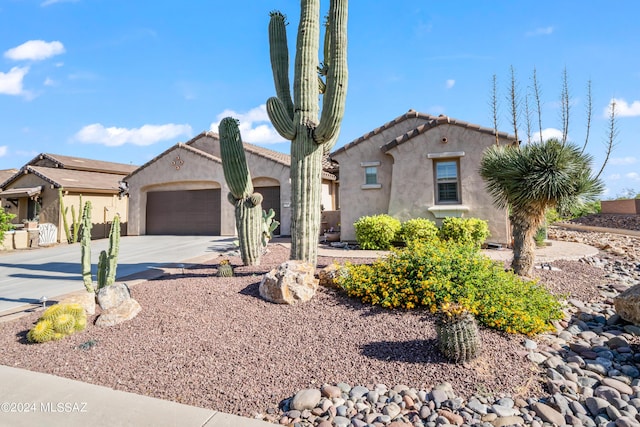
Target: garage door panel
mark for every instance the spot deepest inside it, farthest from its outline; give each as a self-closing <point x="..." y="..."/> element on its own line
<point x="183" y="212"/>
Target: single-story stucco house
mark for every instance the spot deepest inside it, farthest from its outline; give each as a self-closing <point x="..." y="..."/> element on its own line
<point x="183" y="191"/>
<point x="419" y="166"/>
<point x="32" y="193"/>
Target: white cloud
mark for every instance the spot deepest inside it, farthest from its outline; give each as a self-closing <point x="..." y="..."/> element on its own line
<point x="541" y="31"/>
<point x="623" y="108"/>
<point x="3" y="150"/>
<point x="450" y="83"/>
<point x="255" y="126"/>
<point x="50" y="82"/>
<point x="548" y="133"/>
<point x="50" y="2"/>
<point x="146" y="135"/>
<point x="634" y="176"/>
<point x="623" y="160"/>
<point x="11" y="82"/>
<point x="615" y="177"/>
<point x="35" y="50"/>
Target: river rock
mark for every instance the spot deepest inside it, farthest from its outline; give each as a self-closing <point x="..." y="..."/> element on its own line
<point x="306" y="399"/>
<point x="547" y="413"/>
<point x="289" y="283"/>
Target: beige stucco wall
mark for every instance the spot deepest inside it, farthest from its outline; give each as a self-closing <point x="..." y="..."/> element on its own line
<point x="104" y="206"/>
<point x="406" y="177"/>
<point x="198" y="172"/>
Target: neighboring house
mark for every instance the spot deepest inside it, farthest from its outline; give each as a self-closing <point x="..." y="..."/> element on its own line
<point x="419" y="166"/>
<point x="183" y="190"/>
<point x="32" y="193"/>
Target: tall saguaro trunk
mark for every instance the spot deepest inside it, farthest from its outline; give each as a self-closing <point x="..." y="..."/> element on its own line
<point x="298" y="121"/>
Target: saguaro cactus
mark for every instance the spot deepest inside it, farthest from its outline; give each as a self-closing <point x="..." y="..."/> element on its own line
<point x="297" y="119"/>
<point x="247" y="203"/>
<point x="85" y="246"/>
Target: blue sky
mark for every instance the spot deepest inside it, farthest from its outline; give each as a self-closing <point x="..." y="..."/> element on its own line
<point x="124" y="80"/>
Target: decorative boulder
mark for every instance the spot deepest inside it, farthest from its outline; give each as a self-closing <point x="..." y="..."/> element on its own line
<point x="123" y="312"/>
<point x="291" y="282"/>
<point x="113" y="295"/>
<point x="86" y="299"/>
<point x="627" y="304"/>
<point x="328" y="275"/>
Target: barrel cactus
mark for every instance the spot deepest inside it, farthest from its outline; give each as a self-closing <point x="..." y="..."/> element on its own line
<point x="57" y="322"/>
<point x="458" y="337"/>
<point x="225" y="269"/>
<point x="297" y="119"/>
<point x="248" y="205"/>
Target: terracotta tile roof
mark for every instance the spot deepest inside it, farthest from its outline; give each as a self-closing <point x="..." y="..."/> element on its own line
<point x="431" y="121"/>
<point x="6" y="174"/>
<point x="276" y="156"/>
<point x="182" y="145"/>
<point x="77" y="180"/>
<point x="79" y="163"/>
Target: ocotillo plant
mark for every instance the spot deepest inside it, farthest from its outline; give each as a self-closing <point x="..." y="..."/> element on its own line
<point x="247" y="203"/>
<point x="297" y="119"/>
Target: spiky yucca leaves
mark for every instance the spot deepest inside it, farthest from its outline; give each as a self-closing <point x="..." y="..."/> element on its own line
<point x="58" y="321"/>
<point x="297" y="119"/>
<point x="248" y="205"/>
<point x="458" y="337"/>
<point x="531" y="178"/>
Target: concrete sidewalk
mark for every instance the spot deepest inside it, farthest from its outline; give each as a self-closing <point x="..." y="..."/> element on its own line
<point x="34" y="399"/>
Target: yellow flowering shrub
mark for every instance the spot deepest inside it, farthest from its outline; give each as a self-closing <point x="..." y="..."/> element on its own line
<point x="433" y="274"/>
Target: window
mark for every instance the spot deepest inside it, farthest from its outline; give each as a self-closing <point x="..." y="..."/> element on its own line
<point x="371" y="175"/>
<point x="447" y="181"/>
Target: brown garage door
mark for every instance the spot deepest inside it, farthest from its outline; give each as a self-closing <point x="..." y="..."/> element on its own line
<point x="193" y="212"/>
<point x="271" y="200"/>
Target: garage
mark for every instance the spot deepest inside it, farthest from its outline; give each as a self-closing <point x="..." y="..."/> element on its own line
<point x="271" y="200"/>
<point x="183" y="212"/>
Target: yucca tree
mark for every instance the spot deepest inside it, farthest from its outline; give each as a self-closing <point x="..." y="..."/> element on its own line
<point x="531" y="178"/>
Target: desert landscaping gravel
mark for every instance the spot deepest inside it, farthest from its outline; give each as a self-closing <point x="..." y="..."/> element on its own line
<point x="213" y="342"/>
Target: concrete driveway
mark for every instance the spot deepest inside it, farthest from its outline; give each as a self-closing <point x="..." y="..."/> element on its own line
<point x="28" y="275"/>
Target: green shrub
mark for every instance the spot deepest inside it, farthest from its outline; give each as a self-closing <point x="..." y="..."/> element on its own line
<point x="418" y="229"/>
<point x="465" y="230"/>
<point x="376" y="232"/>
<point x="5" y="222"/>
<point x="440" y="272"/>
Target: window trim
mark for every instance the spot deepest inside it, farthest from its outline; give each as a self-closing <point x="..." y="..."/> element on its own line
<point x="370" y="186"/>
<point x="436" y="183"/>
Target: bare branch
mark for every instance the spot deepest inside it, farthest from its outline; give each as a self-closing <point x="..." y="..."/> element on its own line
<point x="565" y="100"/>
<point x="589" y="115"/>
<point x="613" y="133"/>
<point x="514" y="99"/>
<point x="537" y="93"/>
<point x="494" y="107"/>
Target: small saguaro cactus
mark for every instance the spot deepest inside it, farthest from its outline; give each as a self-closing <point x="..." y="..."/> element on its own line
<point x="107" y="261"/>
<point x="297" y="119"/>
<point x="247" y="203"/>
<point x="458" y="337"/>
<point x="71" y="232"/>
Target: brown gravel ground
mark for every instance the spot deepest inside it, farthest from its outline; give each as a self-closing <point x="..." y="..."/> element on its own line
<point x="213" y="342"/>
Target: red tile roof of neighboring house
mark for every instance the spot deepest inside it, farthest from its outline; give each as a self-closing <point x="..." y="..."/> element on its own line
<point x="79" y="163"/>
<point x="432" y="121"/>
<point x="78" y="180"/>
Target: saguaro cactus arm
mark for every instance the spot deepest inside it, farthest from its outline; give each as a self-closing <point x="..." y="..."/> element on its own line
<point x="335" y="92"/>
<point x="279" y="53"/>
<point x="86" y="248"/>
<point x="280" y="118"/>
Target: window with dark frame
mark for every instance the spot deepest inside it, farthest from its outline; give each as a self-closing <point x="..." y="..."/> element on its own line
<point x="370" y="175"/>
<point x="447" y="181"/>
